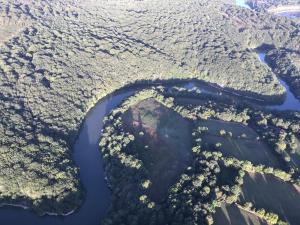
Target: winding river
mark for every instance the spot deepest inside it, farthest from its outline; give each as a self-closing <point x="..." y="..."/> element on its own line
<point x="291" y="11"/>
<point x="290" y="102"/>
<point x="88" y="158"/>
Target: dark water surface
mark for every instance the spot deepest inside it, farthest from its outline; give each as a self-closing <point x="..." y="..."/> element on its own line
<point x="87" y="157"/>
<point x="291" y="102"/>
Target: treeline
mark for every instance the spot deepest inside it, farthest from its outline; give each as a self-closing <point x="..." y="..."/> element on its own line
<point x="281" y="130"/>
<point x="230" y="194"/>
<point x="192" y="199"/>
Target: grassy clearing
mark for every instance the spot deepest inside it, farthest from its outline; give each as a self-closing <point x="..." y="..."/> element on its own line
<point x="163" y="140"/>
<point x="237" y="141"/>
<point x="268" y="192"/>
<point x="232" y="215"/>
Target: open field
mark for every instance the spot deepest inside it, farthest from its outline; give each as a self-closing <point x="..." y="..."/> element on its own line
<point x="164" y="146"/>
<point x="239" y="141"/>
<point x="268" y="192"/>
<point x="232" y="215"/>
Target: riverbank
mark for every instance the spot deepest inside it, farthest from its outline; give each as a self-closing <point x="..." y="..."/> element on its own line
<point x="23" y="206"/>
<point x="27" y="207"/>
<point x="284" y="9"/>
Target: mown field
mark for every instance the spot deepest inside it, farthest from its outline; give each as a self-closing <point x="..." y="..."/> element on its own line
<point x="268" y="192"/>
<point x="237" y="140"/>
<point x="232" y="215"/>
<point x="163" y="142"/>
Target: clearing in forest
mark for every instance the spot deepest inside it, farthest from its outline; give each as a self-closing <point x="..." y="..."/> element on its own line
<point x="233" y="215"/>
<point x="274" y="195"/>
<point x="237" y="140"/>
<point x="162" y="142"/>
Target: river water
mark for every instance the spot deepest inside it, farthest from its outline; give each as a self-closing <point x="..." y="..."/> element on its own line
<point x="242" y="3"/>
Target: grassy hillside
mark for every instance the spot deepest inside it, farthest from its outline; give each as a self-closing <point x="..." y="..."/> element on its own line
<point x="163" y="139"/>
<point x="273" y="195"/>
<point x="236" y="140"/>
<point x="232" y="215"/>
